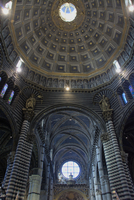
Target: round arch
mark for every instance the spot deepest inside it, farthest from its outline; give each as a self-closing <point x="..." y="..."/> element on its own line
<point x="73" y="107"/>
<point x="95" y="118"/>
<point x="70" y="190"/>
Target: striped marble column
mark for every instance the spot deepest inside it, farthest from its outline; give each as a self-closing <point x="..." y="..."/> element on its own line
<point x="103" y="179"/>
<point x="127" y="172"/>
<point x="8" y="170"/>
<point x="118" y="181"/>
<point x="21" y="164"/>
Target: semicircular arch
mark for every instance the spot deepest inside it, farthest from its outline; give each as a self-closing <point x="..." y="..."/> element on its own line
<point x="71" y="190"/>
<point x="73" y="107"/>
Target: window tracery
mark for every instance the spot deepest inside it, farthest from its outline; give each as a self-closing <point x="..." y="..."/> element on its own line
<point x="124" y="98"/>
<point x="131" y="90"/>
<point x="11" y="97"/>
<point x="72" y="168"/>
<point x="4" y="90"/>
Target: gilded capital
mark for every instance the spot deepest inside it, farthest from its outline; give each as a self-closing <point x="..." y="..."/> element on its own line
<point x="28" y="114"/>
<point x="30" y="137"/>
<point x="107" y="115"/>
<point x="104" y="137"/>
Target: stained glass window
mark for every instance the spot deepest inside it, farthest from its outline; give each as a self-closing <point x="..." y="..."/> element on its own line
<point x="70" y="167"/>
<point x="4" y="90"/>
<point x="131" y="90"/>
<point x="124" y="97"/>
<point x="67" y="12"/>
<point x="11" y="97"/>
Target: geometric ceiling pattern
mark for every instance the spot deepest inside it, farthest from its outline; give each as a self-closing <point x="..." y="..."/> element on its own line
<point x="53" y="50"/>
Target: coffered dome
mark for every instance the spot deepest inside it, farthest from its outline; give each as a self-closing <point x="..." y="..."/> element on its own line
<point x="84" y="46"/>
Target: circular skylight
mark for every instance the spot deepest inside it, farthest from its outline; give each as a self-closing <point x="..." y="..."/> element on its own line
<point x="67" y="12"/>
<point x="72" y="168"/>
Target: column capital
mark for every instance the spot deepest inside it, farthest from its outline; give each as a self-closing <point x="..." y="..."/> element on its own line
<point x="98" y="192"/>
<point x="28" y="114"/>
<point x="107" y="115"/>
<point x="30" y="137"/>
<point x="104" y="137"/>
<point x="105" y="179"/>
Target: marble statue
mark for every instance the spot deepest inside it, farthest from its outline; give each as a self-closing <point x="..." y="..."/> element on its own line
<point x="49" y="82"/>
<point x="55" y="83"/>
<point x="79" y="84"/>
<point x="85" y="84"/>
<point x="30" y="103"/>
<point x="43" y="81"/>
<point x="61" y="83"/>
<point x="36" y="78"/>
<point x="98" y="80"/>
<point x="104" y="103"/>
<point x="30" y="75"/>
<point x="73" y="84"/>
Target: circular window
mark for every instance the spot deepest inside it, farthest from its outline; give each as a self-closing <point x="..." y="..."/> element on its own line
<point x="70" y="167"/>
<point x="67" y="12"/>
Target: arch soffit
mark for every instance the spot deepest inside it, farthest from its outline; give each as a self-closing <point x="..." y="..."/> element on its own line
<point x="71" y="190"/>
<point x="73" y="107"/>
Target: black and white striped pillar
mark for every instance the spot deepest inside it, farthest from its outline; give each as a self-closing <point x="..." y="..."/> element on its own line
<point x="21" y="164"/>
<point x="119" y="183"/>
<point x="10" y="160"/>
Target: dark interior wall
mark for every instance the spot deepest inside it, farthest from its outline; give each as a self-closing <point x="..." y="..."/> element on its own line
<point x="84" y="98"/>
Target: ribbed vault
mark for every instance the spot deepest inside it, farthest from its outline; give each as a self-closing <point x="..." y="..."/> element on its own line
<point x="68" y="135"/>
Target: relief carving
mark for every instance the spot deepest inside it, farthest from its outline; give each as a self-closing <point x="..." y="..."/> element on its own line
<point x="29" y="110"/>
<point x="104" y="137"/>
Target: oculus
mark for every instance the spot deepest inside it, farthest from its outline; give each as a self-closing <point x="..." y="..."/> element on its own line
<point x="72" y="168"/>
<point x="68" y="15"/>
<point x="67" y="12"/>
